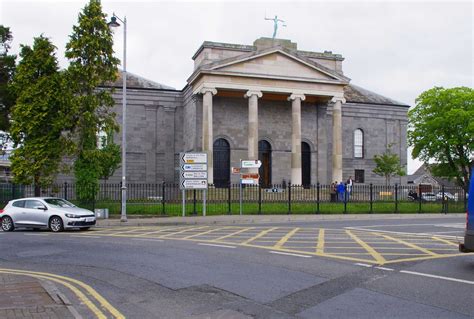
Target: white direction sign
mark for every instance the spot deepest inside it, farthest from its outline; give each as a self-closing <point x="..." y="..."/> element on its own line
<point x="194" y="183"/>
<point x="193" y="171"/>
<point x="251" y="164"/>
<point x="190" y="158"/>
<point x="194" y="167"/>
<point x="198" y="175"/>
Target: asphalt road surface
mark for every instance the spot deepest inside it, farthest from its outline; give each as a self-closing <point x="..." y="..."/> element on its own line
<point x="404" y="268"/>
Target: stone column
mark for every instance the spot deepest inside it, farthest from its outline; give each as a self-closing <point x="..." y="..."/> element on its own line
<point x="253" y="123"/>
<point x="296" y="99"/>
<point x="207" y="131"/>
<point x="337" y="139"/>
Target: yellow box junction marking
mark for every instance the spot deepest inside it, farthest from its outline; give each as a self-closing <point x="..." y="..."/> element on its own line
<point x="426" y="251"/>
<point x="320" y="245"/>
<point x="332" y="243"/>
<point x="67" y="282"/>
<point x="377" y="256"/>
<point x="285" y="238"/>
<point x="261" y="234"/>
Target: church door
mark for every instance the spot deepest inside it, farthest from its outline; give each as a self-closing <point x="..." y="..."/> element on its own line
<point x="221" y="163"/>
<point x="265" y="156"/>
<point x="305" y="164"/>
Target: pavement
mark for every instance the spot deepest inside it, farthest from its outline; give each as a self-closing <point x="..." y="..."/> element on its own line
<point x="254" y="219"/>
<point x="26" y="297"/>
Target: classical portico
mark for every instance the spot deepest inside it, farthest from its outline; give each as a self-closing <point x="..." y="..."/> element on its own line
<point x="270" y="72"/>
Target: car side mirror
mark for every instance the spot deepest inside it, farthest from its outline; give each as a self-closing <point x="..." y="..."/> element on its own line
<point x="42" y="207"/>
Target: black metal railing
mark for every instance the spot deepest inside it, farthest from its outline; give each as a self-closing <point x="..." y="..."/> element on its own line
<point x="166" y="198"/>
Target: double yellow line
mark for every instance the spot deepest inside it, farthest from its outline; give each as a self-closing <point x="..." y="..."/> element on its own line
<point x="73" y="284"/>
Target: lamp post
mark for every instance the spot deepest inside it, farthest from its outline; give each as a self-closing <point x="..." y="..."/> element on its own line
<point x="113" y="23"/>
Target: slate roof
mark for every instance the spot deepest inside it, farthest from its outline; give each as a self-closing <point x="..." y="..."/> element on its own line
<point x="356" y="94"/>
<point x="137" y="82"/>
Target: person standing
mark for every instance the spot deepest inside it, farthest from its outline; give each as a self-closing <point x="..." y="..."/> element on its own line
<point x="341" y="188"/>
<point x="349" y="184"/>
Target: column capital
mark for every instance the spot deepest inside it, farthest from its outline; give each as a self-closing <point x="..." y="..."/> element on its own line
<point x="204" y="90"/>
<point x="249" y="93"/>
<point x="295" y="96"/>
<point x="338" y="99"/>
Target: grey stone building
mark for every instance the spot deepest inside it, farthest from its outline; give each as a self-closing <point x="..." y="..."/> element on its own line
<point x="294" y="110"/>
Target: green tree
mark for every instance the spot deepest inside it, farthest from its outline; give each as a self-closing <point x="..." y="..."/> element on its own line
<point x="7" y="70"/>
<point x="442" y="131"/>
<point x="388" y="165"/>
<point x="39" y="115"/>
<point x="92" y="64"/>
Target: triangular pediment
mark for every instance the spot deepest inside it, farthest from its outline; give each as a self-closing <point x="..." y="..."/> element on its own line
<point x="278" y="64"/>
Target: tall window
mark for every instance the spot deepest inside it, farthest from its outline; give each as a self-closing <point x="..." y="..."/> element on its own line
<point x="221" y="163"/>
<point x="305" y="164"/>
<point x="265" y="155"/>
<point x="359" y="176"/>
<point x="358" y="143"/>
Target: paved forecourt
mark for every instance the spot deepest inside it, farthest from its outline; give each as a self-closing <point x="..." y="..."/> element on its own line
<point x="359" y="245"/>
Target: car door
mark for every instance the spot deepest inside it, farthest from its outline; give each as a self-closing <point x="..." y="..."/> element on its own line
<point x="17" y="212"/>
<point x="36" y="213"/>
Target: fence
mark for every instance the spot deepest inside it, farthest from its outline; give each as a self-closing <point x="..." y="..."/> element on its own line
<point x="166" y="199"/>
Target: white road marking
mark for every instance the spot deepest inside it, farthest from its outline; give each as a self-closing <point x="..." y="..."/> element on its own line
<point x="216" y="245"/>
<point x="84" y="236"/>
<point x="437" y="277"/>
<point x="148" y="239"/>
<point x="35" y="234"/>
<point x="289" y="254"/>
<point x="385" y="268"/>
<point x="363" y="265"/>
<point x="452" y="225"/>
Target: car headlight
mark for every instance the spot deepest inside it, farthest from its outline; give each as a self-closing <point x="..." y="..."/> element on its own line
<point x="72" y="216"/>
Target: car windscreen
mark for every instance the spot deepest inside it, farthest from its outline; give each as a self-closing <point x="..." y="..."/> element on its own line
<point x="58" y="202"/>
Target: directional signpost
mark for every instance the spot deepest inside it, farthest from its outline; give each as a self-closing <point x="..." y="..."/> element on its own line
<point x="193" y="175"/>
<point x="248" y="178"/>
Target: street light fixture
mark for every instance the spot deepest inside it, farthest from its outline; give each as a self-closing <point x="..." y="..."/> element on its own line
<point x="113" y="23"/>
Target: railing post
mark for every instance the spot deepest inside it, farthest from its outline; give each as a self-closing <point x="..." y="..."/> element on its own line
<point x="289" y="198"/>
<point x="259" y="199"/>
<point x="443" y="202"/>
<point x="396" y="198"/>
<point x="65" y="190"/>
<point x="419" y="199"/>
<point x="371" y="196"/>
<point x="194" y="202"/>
<point x="318" y="188"/>
<point x="229" y="194"/>
<point x="14" y="190"/>
<point x="163" y="198"/>
<point x="345" y="199"/>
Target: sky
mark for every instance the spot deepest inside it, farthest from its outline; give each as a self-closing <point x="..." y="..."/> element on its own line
<point x="397" y="49"/>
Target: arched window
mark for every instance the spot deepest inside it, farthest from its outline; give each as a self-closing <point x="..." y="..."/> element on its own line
<point x="358" y="143"/>
<point x="221" y="155"/>
<point x="265" y="156"/>
<point x="305" y="164"/>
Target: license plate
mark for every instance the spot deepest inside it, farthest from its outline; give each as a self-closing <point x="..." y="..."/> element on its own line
<point x="89" y="219"/>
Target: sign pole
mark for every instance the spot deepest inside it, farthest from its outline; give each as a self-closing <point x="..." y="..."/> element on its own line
<point x="240" y="190"/>
<point x="184" y="202"/>
<point x="204" y="203"/>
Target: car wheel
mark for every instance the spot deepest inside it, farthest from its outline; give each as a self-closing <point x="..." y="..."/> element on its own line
<point x="7" y="224"/>
<point x="56" y="224"/>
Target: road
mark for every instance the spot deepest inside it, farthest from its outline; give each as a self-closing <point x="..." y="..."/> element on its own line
<point x="377" y="268"/>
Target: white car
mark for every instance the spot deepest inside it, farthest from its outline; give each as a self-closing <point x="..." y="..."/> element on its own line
<point x="428" y="197"/>
<point x="447" y="196"/>
<point x="56" y="214"/>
